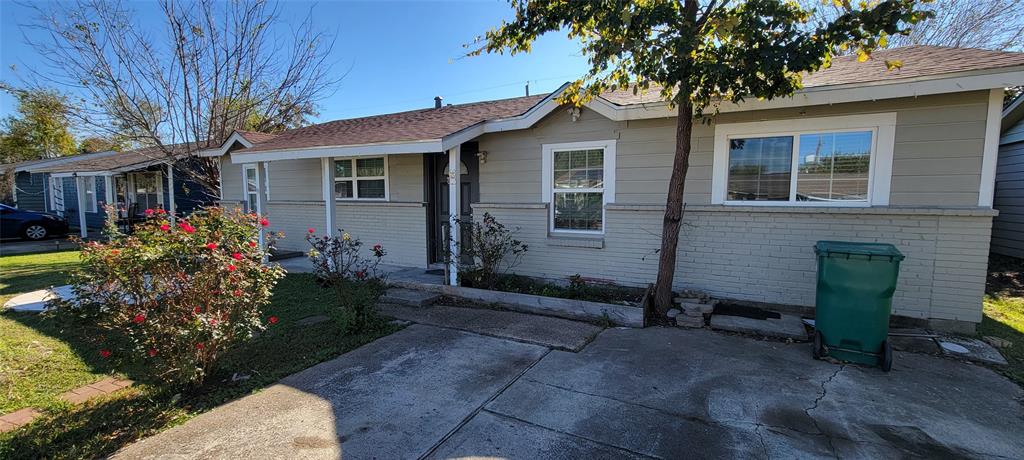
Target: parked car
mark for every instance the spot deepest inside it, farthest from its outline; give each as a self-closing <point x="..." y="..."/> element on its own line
<point x="30" y="225"/>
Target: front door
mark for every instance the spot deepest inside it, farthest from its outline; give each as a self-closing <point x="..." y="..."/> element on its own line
<point x="468" y="181"/>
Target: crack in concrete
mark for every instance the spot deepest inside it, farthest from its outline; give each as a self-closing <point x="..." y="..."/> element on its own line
<point x="764" y="446"/>
<point x="602" y="443"/>
<point x="480" y="408"/>
<point x="821" y="396"/>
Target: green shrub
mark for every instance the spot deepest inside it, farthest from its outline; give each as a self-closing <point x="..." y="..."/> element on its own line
<point x="493" y="250"/>
<point x="176" y="297"/>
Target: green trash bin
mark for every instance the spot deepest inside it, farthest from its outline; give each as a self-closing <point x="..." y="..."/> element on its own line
<point x="854" y="299"/>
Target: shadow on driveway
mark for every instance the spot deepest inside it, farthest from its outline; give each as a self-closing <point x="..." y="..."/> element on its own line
<point x="430" y="392"/>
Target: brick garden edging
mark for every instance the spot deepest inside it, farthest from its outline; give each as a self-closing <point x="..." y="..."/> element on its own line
<point x="79" y="395"/>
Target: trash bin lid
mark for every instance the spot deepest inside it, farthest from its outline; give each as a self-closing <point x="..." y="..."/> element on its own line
<point x="861" y="249"/>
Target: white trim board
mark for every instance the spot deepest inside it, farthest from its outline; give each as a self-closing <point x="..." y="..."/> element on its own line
<point x="226" y="145"/>
<point x="883" y="126"/>
<point x="547" y="180"/>
<point x="990" y="156"/>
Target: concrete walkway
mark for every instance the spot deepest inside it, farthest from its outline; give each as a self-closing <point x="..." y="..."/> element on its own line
<point x="430" y="392"/>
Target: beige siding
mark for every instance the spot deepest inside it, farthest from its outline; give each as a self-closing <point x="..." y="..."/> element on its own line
<point x="1008" y="227"/>
<point x="295" y="180"/>
<point x="405" y="178"/>
<point x="936" y="160"/>
<point x="231" y="177"/>
<point x="766" y="255"/>
<point x="296" y="205"/>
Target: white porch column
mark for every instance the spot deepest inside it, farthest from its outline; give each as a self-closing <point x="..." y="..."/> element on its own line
<point x="170" y="192"/>
<point x="260" y="207"/>
<point x="79" y="191"/>
<point x="327" y="171"/>
<point x="454" y="207"/>
<point x="108" y="187"/>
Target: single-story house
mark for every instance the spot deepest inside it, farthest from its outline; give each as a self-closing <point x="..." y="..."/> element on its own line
<point x="1008" y="226"/>
<point x="133" y="181"/>
<point x="861" y="153"/>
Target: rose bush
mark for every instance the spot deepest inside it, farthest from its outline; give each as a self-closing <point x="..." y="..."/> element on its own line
<point x="339" y="258"/>
<point x="177" y="295"/>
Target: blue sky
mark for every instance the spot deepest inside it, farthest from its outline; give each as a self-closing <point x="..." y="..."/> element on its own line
<point x="399" y="54"/>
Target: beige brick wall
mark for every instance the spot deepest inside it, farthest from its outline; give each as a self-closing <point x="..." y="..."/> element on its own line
<point x="400" y="227"/>
<point x="766" y="255"/>
<point x="294" y="218"/>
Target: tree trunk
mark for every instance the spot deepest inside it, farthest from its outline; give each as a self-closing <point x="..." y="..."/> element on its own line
<point x="673" y="211"/>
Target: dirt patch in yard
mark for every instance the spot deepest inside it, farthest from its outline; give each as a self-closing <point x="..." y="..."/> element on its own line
<point x="1005" y="276"/>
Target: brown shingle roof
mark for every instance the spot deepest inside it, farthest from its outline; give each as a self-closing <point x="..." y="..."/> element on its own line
<point x="918" y="61"/>
<point x="256" y="137"/>
<point x="124" y="160"/>
<point x="398" y="127"/>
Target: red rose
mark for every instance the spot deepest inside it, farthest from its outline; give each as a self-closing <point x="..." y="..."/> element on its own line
<point x="272" y="319"/>
<point x="139" y="318"/>
<point x="311" y="230"/>
<point x="211" y="246"/>
<point x="152" y="352"/>
<point x="165" y="227"/>
<point x="199" y="310"/>
<point x="114" y="252"/>
<point x="237" y="256"/>
<point x="213" y="322"/>
<point x="264" y="222"/>
<point x="187" y="228"/>
<point x="231" y="268"/>
<point x="252" y="244"/>
<point x="104" y="353"/>
<point x="376" y="247"/>
<point x="149" y="212"/>
<point x="200" y="346"/>
<point x="160" y="212"/>
<point x="237" y="293"/>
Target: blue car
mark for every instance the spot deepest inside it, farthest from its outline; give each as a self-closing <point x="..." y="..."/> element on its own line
<point x="30" y="225"/>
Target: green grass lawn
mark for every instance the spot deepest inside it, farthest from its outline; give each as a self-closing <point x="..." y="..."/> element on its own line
<point x="1004" y="311"/>
<point x="40" y="358"/>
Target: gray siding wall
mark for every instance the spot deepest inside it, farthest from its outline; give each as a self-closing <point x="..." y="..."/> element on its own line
<point x="400" y="227"/>
<point x="1008" y="227"/>
<point x="231" y="180"/>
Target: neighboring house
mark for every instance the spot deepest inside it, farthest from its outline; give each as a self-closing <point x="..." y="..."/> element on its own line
<point x="861" y="153"/>
<point x="1008" y="227"/>
<point x="30" y="189"/>
<point x="134" y="181"/>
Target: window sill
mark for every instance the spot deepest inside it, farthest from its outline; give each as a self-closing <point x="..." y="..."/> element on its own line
<point x="380" y="203"/>
<point x="576" y="241"/>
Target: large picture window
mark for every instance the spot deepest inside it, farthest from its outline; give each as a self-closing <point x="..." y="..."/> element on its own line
<point x="578" y="181"/>
<point x="827" y="161"/>
<point x="360" y="179"/>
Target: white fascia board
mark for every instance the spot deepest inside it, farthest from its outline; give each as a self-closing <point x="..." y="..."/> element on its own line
<point x="386" y="148"/>
<point x="837" y="94"/>
<point x="223" y="149"/>
<point x="82" y="174"/>
<point x="64" y="160"/>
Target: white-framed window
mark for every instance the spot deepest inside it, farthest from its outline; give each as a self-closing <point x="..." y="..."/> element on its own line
<point x="827" y="161"/>
<point x="361" y="178"/>
<point x="578" y="180"/>
<point x="89" y="193"/>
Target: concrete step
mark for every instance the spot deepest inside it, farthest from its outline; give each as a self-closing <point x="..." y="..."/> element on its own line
<point x="557" y="333"/>
<point x="785" y="327"/>
<point x="410" y="297"/>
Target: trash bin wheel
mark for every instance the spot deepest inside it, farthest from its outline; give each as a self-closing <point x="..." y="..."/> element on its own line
<point x="819" y="345"/>
<point x="886" y="356"/>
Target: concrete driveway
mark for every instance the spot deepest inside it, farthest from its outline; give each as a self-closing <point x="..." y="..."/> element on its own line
<point x="433" y="392"/>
